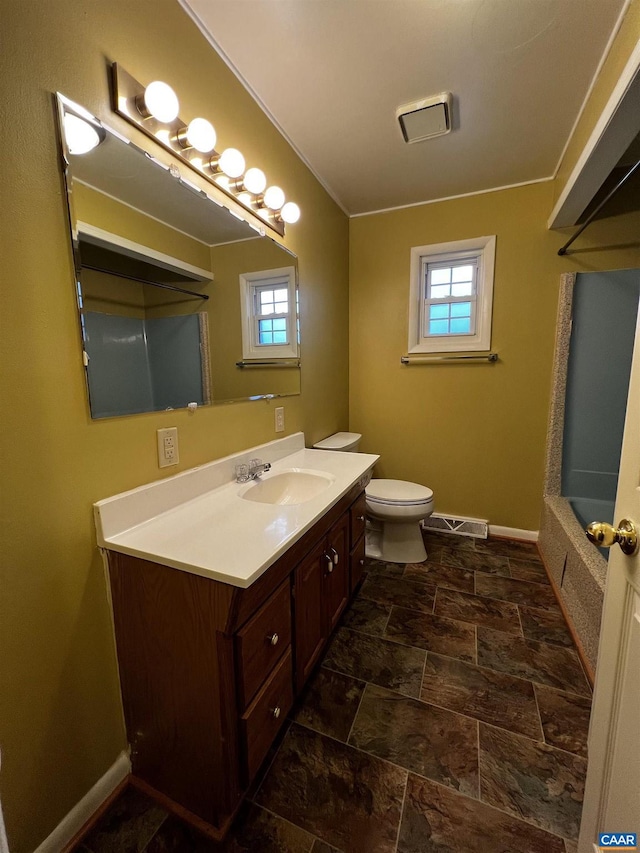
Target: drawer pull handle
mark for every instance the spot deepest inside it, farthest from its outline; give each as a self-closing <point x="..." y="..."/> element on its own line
<point x="273" y="639"/>
<point x="275" y="712"/>
<point x="334" y="556"/>
<point x="329" y="563"/>
<point x="360" y="518"/>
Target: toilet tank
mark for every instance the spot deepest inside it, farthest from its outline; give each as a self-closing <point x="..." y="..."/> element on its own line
<point x="340" y="441"/>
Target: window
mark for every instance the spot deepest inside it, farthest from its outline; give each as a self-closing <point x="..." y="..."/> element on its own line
<point x="269" y="314"/>
<point x="451" y="296"/>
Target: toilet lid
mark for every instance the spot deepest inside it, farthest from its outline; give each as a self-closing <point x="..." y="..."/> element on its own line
<point x="398" y="492"/>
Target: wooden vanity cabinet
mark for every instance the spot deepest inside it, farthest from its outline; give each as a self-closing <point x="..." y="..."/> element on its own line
<point x="209" y="671"/>
<point x="321" y="591"/>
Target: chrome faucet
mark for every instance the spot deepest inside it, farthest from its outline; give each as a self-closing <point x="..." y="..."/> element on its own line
<point x="252" y="470"/>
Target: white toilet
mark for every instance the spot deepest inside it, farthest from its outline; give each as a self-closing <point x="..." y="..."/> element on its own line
<point x="395" y="509"/>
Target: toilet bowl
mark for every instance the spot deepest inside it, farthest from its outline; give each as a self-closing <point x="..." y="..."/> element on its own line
<point x="395" y="509"/>
<point x="399" y="507"/>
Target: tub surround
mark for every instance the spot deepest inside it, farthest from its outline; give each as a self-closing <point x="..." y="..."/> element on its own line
<point x="577" y="567"/>
<point x="198" y="522"/>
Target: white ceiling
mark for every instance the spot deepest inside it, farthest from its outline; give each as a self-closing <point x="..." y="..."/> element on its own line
<point x="331" y="74"/>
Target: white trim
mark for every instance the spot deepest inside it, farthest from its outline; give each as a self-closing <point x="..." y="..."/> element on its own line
<point x="451" y="197"/>
<point x="83" y="811"/>
<point x="514" y="533"/>
<point x="485" y="248"/>
<point x="593" y="166"/>
<point x="603" y="59"/>
<point x="248" y="283"/>
<point x="197" y="20"/>
<point x="129" y="248"/>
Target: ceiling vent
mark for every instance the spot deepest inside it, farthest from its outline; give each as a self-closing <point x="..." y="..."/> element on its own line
<point x="426" y="118"/>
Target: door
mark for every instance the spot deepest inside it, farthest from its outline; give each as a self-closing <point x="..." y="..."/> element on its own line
<point x="337" y="572"/>
<point x="310" y="619"/>
<point x="612" y="795"/>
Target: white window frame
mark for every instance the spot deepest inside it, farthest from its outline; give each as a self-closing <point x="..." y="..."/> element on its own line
<point x="249" y="283"/>
<point x="484" y="250"/>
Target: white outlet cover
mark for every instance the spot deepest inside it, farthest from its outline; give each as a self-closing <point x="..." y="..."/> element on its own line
<point x="168" y="447"/>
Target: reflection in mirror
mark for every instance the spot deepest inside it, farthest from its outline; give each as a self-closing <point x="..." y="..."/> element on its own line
<point x="159" y="272"/>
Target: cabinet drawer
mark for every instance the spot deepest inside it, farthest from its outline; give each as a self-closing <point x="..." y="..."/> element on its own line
<point x="261" y="642"/>
<point x="358" y="511"/>
<point x="357" y="563"/>
<point x="261" y="721"/>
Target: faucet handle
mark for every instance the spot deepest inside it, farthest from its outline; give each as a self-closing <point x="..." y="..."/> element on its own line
<point x="254" y="463"/>
<point x="242" y="473"/>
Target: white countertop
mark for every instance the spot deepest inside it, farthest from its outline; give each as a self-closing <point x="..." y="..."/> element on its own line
<point x="196" y="521"/>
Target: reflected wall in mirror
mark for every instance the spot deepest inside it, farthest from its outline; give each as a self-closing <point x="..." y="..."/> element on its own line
<point x="159" y="265"/>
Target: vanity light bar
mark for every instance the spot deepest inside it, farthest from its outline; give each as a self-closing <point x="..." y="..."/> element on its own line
<point x="154" y="110"/>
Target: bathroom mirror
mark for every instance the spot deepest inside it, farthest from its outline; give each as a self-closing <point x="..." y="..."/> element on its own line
<point x="159" y="266"/>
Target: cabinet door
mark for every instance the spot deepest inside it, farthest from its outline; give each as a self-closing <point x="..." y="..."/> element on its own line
<point x="337" y="572"/>
<point x="310" y="621"/>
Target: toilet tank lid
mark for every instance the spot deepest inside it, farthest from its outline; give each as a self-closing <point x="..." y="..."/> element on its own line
<point x="398" y="491"/>
<point x="339" y="441"/>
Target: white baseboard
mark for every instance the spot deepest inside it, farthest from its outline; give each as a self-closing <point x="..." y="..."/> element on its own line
<point x="513" y="533"/>
<point x="70" y="825"/>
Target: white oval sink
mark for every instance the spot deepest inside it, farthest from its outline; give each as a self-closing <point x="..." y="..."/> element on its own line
<point x="294" y="486"/>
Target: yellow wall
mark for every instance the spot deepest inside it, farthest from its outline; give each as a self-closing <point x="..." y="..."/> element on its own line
<point x="113" y="216"/>
<point x="60" y="717"/>
<point x="621" y="49"/>
<point x="475" y="433"/>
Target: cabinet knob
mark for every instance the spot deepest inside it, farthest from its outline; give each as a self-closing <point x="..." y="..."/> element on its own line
<point x="273" y="639"/>
<point x="361" y="562"/>
<point x="329" y="560"/>
<point x="361" y="518"/>
<point x="334" y="556"/>
<point x="275" y="712"/>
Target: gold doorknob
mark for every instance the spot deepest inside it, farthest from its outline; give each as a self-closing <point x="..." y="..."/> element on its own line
<point x="605" y="535"/>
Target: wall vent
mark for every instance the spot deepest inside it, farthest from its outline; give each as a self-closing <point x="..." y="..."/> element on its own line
<point x="461" y="526"/>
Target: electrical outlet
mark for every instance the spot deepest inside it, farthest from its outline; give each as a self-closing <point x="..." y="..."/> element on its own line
<point x="168" y="447"/>
<point x="279" y="418"/>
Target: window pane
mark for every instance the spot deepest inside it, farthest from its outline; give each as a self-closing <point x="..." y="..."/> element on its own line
<point x="458" y="309"/>
<point x="461" y="326"/>
<point x="464" y="273"/>
<point x="442" y="276"/>
<point x="267" y="308"/>
<point x="279" y="337"/>
<point x="439" y="312"/>
<point x="438" y="327"/>
<point x="282" y="308"/>
<point x="265" y="325"/>
<point x="266" y="296"/>
<point x="266" y="337"/>
<point x="281" y="325"/>
<point x="281" y="295"/>
<point x="441" y="291"/>
<point x="462" y="289"/>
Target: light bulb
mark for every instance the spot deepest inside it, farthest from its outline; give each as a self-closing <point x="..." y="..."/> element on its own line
<point x="274" y="198"/>
<point x="254" y="181"/>
<point x="80" y="136"/>
<point x="290" y="212"/>
<point x="231" y="162"/>
<point x="201" y="135"/>
<point x="161" y="101"/>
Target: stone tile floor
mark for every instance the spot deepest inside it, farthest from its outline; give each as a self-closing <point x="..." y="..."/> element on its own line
<point x="449" y="715"/>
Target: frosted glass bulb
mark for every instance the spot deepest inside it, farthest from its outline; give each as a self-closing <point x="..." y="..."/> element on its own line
<point x="274" y="198"/>
<point x="161" y="101"/>
<point x="201" y="135"/>
<point x="290" y="212"/>
<point x="255" y="181"/>
<point x="80" y="136"/>
<point x="231" y="162"/>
